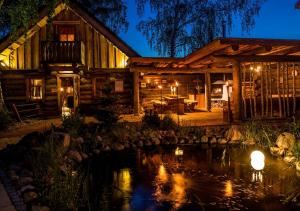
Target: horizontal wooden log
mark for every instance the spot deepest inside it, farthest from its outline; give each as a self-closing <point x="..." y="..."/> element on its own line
<point x="180" y="70"/>
<point x="251" y="58"/>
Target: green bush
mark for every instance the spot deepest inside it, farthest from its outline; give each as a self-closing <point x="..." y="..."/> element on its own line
<point x="107" y="108"/>
<point x="296" y="151"/>
<point x="72" y="124"/>
<point x="261" y="132"/>
<point x="5" y="120"/>
<point x="168" y="123"/>
<point x="293" y="127"/>
<point x="151" y="120"/>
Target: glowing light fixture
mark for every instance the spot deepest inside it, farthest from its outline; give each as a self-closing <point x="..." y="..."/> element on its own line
<point x="178" y="151"/>
<point x="257" y="160"/>
<point x="61" y="89"/>
<point x="159" y="86"/>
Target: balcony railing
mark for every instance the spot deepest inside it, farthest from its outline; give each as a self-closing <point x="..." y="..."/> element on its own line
<point x="63" y="52"/>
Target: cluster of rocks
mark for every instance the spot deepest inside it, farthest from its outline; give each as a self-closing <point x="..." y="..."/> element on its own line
<point x="154" y="138"/>
<point x="22" y="179"/>
<point x="284" y="147"/>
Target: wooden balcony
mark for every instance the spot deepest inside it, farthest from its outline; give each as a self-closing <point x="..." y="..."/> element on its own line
<point x="63" y="52"/>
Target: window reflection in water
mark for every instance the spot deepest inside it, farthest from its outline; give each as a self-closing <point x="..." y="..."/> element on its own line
<point x="171" y="187"/>
<point x="122" y="186"/>
<point x="228" y="189"/>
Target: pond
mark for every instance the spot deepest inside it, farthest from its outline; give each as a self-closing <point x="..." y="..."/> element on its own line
<point x="203" y="178"/>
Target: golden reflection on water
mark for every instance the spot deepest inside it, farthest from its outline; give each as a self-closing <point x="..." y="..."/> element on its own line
<point x="162" y="174"/>
<point x="178" y="192"/>
<point x="171" y="187"/>
<point x="122" y="182"/>
<point x="228" y="189"/>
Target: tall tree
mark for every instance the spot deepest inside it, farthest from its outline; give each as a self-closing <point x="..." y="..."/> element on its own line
<point x="178" y="27"/>
<point x="16" y="14"/>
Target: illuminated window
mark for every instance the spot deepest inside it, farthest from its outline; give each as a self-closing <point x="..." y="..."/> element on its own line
<point x="36" y="89"/>
<point x="66" y="33"/>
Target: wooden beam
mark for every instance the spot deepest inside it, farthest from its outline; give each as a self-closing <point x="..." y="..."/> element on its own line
<point x="258" y="41"/>
<point x="248" y="58"/>
<point x="149" y="60"/>
<point x="180" y="70"/>
<point x="205" y="51"/>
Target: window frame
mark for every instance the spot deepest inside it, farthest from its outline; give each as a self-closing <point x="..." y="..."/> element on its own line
<point x="58" y="30"/>
<point x="29" y="87"/>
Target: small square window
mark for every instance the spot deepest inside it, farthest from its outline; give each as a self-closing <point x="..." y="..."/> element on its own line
<point x="36" y="89"/>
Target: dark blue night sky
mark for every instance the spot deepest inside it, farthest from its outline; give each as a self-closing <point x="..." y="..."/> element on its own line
<point x="277" y="19"/>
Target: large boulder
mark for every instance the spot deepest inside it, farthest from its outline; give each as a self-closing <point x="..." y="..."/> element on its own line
<point x="298" y="166"/>
<point x="286" y="141"/>
<point x="75" y="155"/>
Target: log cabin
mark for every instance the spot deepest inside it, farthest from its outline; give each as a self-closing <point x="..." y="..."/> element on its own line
<point x="65" y="61"/>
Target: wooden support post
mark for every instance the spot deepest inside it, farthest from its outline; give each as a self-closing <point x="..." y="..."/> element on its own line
<point x="287" y="90"/>
<point x="244" y="92"/>
<point x="251" y="91"/>
<point x="207" y="92"/>
<point x="237" y="90"/>
<point x="267" y="89"/>
<point x="254" y="78"/>
<point x="294" y="90"/>
<point x="283" y="88"/>
<point x="271" y="88"/>
<point x="262" y="103"/>
<point x="136" y="98"/>
<point x="278" y="90"/>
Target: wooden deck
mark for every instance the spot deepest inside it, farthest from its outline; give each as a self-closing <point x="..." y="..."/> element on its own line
<point x="215" y="117"/>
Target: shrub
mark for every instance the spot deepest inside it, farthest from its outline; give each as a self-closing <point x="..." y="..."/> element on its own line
<point x="151" y="120"/>
<point x="261" y="132"/>
<point x="5" y="120"/>
<point x="168" y="123"/>
<point x="107" y="109"/>
<point x="296" y="150"/>
<point x="293" y="127"/>
<point x="72" y="124"/>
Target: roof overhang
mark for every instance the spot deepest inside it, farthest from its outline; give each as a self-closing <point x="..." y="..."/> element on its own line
<point x="219" y="55"/>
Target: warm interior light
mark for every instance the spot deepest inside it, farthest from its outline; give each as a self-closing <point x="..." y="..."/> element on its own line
<point x="61" y="89"/>
<point x="258" y="69"/>
<point x="257" y="160"/>
<point x="176" y="83"/>
<point x="159" y="86"/>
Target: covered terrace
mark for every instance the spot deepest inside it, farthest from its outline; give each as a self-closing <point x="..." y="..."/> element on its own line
<point x="263" y="73"/>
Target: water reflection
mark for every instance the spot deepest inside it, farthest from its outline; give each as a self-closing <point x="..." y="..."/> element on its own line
<point x="162" y="174"/>
<point x="228" y="189"/>
<point x="257" y="176"/>
<point x="158" y="180"/>
<point x="123" y="188"/>
<point x="173" y="190"/>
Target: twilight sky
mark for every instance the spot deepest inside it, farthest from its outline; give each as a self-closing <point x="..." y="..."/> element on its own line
<point x="277" y="19"/>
